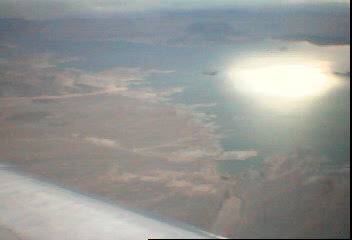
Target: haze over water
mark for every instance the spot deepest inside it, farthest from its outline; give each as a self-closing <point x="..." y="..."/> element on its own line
<point x="230" y="116"/>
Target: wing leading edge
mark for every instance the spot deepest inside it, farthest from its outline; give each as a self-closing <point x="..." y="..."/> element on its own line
<point x="40" y="211"/>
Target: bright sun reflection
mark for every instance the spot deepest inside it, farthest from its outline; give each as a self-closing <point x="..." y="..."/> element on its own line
<point x="282" y="80"/>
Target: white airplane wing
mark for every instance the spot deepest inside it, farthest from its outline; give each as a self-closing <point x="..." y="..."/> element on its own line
<point x="32" y="210"/>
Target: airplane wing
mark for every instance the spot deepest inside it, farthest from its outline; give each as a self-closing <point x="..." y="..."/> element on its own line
<point x="33" y="210"/>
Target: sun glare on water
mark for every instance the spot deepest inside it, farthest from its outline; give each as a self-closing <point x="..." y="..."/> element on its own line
<point x="288" y="80"/>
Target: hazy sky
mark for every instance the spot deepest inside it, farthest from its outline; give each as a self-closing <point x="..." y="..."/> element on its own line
<point x="39" y="9"/>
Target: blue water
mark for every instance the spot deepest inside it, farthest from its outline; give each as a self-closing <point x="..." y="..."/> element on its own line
<point x="323" y="125"/>
<point x="239" y="166"/>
